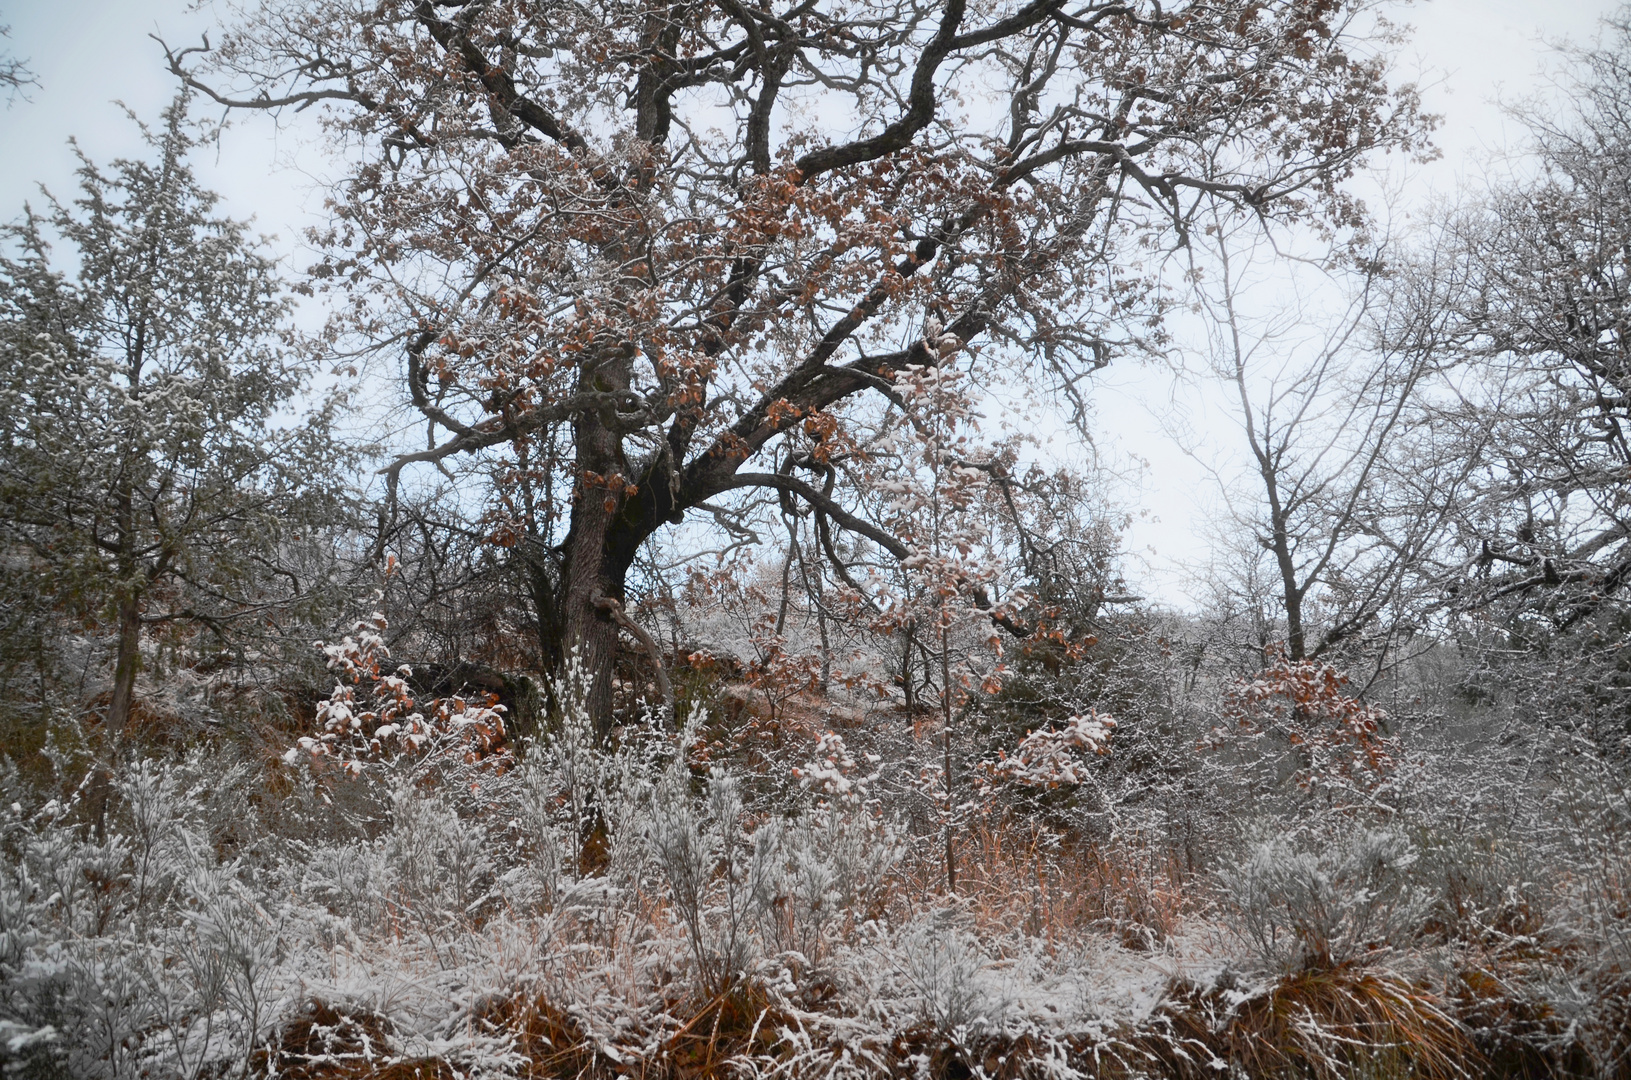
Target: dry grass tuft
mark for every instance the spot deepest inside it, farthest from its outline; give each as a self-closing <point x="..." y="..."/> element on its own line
<point x="325" y="1042"/>
<point x="927" y="1051"/>
<point x="742" y="1022"/>
<point x="552" y="1043"/>
<point x="1021" y="874"/>
<point x="1519" y="1036"/>
<point x="421" y="1069"/>
<point x="1323" y="1025"/>
<point x="710" y="1044"/>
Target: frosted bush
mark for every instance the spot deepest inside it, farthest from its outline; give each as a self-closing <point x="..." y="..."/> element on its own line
<point x="223" y="954"/>
<point x="1320" y="902"/>
<point x="703" y="855"/>
<point x="1050" y="757"/>
<point x="545" y="846"/>
<point x="829" y="865"/>
<point x="782" y="889"/>
<point x="945" y="967"/>
<point x="348" y="880"/>
<point x="372" y="717"/>
<point x="438" y="864"/>
<point x="142" y="954"/>
<point x="28" y="1035"/>
<point x="832" y="773"/>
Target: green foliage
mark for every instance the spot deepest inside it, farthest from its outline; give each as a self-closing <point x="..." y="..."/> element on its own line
<point x="164" y="466"/>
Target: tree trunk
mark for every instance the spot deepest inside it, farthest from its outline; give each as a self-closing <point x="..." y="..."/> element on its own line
<point x="542" y="578"/>
<point x="127" y="665"/>
<point x="812" y="589"/>
<point x="127" y="660"/>
<point x="598" y="548"/>
<point x="1291" y="593"/>
<point x="1292" y="597"/>
<point x="588" y="632"/>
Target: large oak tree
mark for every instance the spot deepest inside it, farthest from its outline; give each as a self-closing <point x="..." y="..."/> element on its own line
<point x="649" y="253"/>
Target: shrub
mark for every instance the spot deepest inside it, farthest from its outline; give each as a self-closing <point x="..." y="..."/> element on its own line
<point x="1317" y="902"/>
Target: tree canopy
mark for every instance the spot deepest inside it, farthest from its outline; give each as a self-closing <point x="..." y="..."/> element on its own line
<point x="647" y="254"/>
<point x="158" y="453"/>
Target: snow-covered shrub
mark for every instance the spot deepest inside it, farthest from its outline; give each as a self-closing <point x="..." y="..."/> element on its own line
<point x="781" y="889"/>
<point x="439" y="865"/>
<point x="142" y="954"/>
<point x="943" y="965"/>
<point x="1479" y="884"/>
<point x="830" y="857"/>
<point x="544" y="842"/>
<point x="1298" y="721"/>
<point x="1048" y="758"/>
<point x="1572" y="956"/>
<point x="372" y="715"/>
<point x="705" y="859"/>
<point x="575" y="807"/>
<point x="30" y="1040"/>
<point x="348" y="879"/>
<point x="223" y="951"/>
<point x="1315" y="902"/>
<point x="829" y="866"/>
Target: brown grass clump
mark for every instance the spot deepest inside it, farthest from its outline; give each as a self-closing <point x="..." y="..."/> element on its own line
<point x="1020" y="874"/>
<point x="1613" y="1035"/>
<point x="708" y="1045"/>
<point x="324" y="1042"/>
<point x="1524" y="1035"/>
<point x="552" y="1042"/>
<point x="1518" y="1035"/>
<point x="741" y="1021"/>
<point x="992" y="1056"/>
<point x="1324" y="1025"/>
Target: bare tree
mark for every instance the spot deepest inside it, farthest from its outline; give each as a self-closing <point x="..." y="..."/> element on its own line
<point x="652" y="254"/>
<point x="14" y="73"/>
<point x="1347" y="500"/>
<point x="1526" y="297"/>
<point x="1542" y="321"/>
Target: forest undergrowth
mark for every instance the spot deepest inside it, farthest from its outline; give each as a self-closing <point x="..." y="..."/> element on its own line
<point x="742" y="898"/>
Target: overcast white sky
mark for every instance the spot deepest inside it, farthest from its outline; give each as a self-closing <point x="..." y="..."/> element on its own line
<point x="89" y="53"/>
